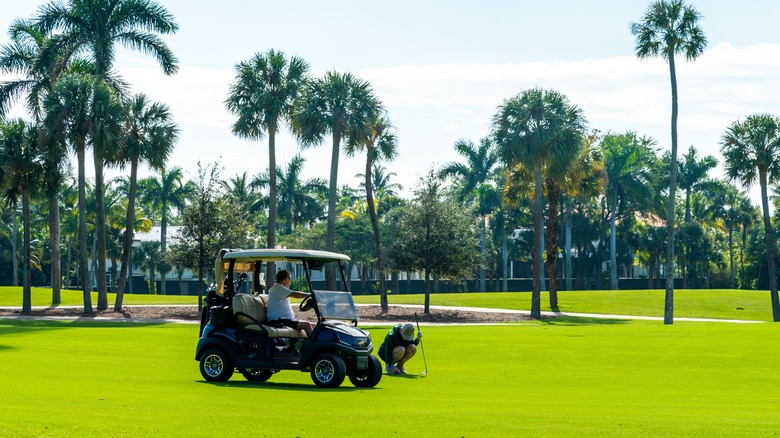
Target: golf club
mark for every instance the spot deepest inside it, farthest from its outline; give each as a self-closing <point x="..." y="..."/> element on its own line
<point x="424" y="373"/>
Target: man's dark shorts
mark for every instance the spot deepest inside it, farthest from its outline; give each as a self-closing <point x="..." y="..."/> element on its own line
<point x="281" y="322"/>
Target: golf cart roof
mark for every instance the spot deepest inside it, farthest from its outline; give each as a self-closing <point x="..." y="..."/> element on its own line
<point x="246" y="259"/>
<point x="276" y="255"/>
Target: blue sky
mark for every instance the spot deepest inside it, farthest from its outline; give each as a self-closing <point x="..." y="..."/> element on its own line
<point x="442" y="68"/>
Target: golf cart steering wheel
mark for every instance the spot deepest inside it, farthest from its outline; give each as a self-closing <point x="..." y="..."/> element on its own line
<point x="306" y="304"/>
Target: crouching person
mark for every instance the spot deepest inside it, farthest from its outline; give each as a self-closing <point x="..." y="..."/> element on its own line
<point x="398" y="347"/>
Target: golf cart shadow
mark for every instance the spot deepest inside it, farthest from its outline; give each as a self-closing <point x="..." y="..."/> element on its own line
<point x="407" y="376"/>
<point x="281" y="386"/>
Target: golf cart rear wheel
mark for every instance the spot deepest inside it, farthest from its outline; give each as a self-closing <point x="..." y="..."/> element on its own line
<point x="254" y="375"/>
<point x="369" y="377"/>
<point x="328" y="371"/>
<point x="215" y="366"/>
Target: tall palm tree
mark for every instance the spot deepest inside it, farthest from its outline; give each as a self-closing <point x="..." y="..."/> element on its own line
<point x="77" y="112"/>
<point x="150" y="137"/>
<point x="693" y="175"/>
<point x="476" y="185"/>
<point x="21" y="160"/>
<point x="535" y="128"/>
<point x="669" y="28"/>
<point x="21" y="58"/>
<point x="343" y="106"/>
<point x="381" y="143"/>
<point x="262" y="98"/>
<point x="585" y="180"/>
<point x="94" y="27"/>
<point x="165" y="193"/>
<point x="381" y="182"/>
<point x="751" y="151"/>
<point x="629" y="178"/>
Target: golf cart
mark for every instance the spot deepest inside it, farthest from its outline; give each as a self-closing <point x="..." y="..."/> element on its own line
<point x="234" y="332"/>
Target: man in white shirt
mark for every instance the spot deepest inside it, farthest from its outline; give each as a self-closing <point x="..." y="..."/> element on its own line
<point x="278" y="304"/>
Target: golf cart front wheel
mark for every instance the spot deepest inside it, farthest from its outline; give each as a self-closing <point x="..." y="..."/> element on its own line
<point x="369" y="377"/>
<point x="215" y="366"/>
<point x="328" y="371"/>
<point x="254" y="375"/>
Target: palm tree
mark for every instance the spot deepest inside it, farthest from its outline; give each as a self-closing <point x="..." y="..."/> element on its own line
<point x="476" y="185"/>
<point x="584" y="180"/>
<point x="262" y="98"/>
<point x="95" y="27"/>
<point x="343" y="106"/>
<point x="751" y="151"/>
<point x="21" y="163"/>
<point x="532" y="129"/>
<point x="381" y="143"/>
<point x="669" y="28"/>
<point x="149" y="137"/>
<point x="163" y="194"/>
<point x="21" y="57"/>
<point x="693" y="176"/>
<point x="299" y="202"/>
<point x="77" y="111"/>
<point x="381" y="182"/>
<point x="629" y="178"/>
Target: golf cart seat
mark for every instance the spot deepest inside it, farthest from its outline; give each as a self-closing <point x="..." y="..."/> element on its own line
<point x="250" y="310"/>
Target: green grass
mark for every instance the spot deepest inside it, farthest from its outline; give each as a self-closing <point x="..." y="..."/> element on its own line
<point x="12" y="296"/>
<point x="707" y="303"/>
<point x="563" y="377"/>
<point x="691" y="303"/>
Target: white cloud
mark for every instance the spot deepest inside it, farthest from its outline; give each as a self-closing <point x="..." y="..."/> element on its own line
<point x="434" y="105"/>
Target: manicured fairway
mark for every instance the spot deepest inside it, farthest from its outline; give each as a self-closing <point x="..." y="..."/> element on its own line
<point x="689" y="303"/>
<point x="706" y="303"/>
<point x="570" y="377"/>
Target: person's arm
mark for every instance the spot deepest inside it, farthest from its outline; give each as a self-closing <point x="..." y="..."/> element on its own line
<point x="298" y="294"/>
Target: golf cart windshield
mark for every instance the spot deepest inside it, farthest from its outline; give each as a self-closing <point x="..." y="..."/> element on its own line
<point x="336" y="305"/>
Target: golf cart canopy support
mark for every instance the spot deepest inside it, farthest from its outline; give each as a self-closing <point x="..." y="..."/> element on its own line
<point x="243" y="260"/>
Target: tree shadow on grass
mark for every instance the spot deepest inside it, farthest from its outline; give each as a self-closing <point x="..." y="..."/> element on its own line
<point x="566" y="320"/>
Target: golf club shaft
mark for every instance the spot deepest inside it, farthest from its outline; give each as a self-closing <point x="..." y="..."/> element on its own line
<point x="422" y="347"/>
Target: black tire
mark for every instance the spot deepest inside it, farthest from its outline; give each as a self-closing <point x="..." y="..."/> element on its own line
<point x="256" y="375"/>
<point x="216" y="366"/>
<point x="369" y="377"/>
<point x="328" y="371"/>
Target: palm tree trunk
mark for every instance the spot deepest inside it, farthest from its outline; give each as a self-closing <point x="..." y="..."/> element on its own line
<point x="100" y="232"/>
<point x="769" y="240"/>
<point x="56" y="252"/>
<point x="731" y="257"/>
<point x="83" y="266"/>
<point x="482" y="248"/>
<point x="427" y="306"/>
<point x="14" y="241"/>
<point x="128" y="240"/>
<point x="669" y="297"/>
<point x="163" y="240"/>
<point x="330" y="272"/>
<point x="27" y="277"/>
<point x="568" y="243"/>
<point x="551" y="243"/>
<point x="270" y="275"/>
<point x="536" y="254"/>
<point x="613" y="283"/>
<point x="377" y="235"/>
<point x="504" y="255"/>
